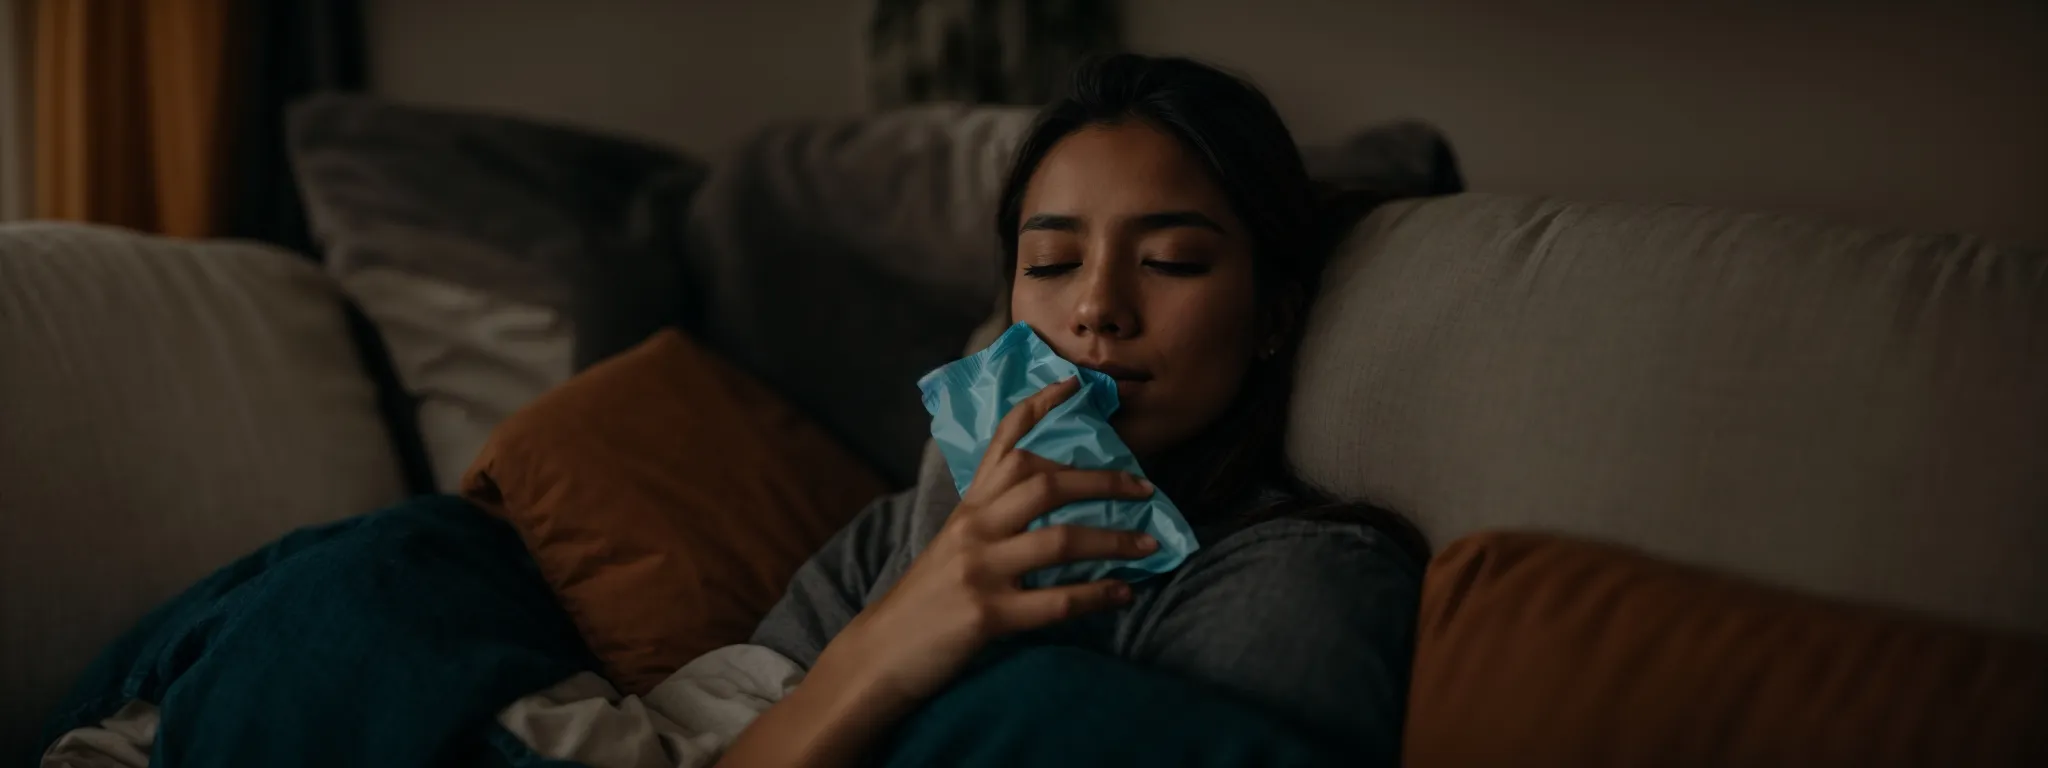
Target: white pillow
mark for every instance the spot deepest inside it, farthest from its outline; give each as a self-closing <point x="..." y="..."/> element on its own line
<point x="469" y="357"/>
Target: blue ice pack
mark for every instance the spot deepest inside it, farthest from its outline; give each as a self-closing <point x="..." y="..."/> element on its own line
<point x="969" y="397"/>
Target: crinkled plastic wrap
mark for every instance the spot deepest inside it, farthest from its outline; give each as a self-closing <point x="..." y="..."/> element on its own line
<point x="969" y="397"/>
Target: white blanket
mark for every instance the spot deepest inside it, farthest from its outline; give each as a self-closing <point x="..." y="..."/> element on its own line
<point x="685" y="722"/>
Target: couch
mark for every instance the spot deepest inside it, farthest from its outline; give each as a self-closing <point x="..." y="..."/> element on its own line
<point x="1851" y="413"/>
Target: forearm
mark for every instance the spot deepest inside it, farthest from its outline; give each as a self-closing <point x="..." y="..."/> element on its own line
<point x="833" y="718"/>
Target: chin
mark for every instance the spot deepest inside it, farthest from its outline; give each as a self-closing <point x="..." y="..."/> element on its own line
<point x="1146" y="444"/>
<point x="1135" y="436"/>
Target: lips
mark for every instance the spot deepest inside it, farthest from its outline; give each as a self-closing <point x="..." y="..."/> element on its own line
<point x="1120" y="372"/>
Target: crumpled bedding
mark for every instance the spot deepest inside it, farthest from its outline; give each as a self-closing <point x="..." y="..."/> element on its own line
<point x="685" y="722"/>
<point x="421" y="635"/>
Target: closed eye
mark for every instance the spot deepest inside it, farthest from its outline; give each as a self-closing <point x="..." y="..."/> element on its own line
<point x="1178" y="268"/>
<point x="1042" y="271"/>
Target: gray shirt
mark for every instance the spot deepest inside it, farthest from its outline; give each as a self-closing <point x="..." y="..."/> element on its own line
<point x="1312" y="620"/>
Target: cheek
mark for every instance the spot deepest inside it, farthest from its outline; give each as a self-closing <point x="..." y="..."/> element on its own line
<point x="1036" y="304"/>
<point x="1210" y="345"/>
<point x="1209" y="328"/>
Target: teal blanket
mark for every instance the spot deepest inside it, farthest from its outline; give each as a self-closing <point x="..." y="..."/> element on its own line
<point x="391" y="639"/>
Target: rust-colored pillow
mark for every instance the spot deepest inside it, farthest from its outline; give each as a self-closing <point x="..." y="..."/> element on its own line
<point x="1539" y="650"/>
<point x="667" y="497"/>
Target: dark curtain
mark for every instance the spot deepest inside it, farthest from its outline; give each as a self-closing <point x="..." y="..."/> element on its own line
<point x="283" y="50"/>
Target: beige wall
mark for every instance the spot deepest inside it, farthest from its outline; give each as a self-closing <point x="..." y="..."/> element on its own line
<point x="696" y="74"/>
<point x="1919" y="114"/>
<point x="1923" y="114"/>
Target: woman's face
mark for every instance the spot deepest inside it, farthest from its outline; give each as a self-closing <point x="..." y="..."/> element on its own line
<point x="1129" y="261"/>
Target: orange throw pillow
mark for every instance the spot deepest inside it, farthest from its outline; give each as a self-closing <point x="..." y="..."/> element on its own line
<point x="1539" y="650"/>
<point x="667" y="497"/>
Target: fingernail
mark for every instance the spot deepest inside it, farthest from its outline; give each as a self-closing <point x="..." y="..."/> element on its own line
<point x="1144" y="484"/>
<point x="1120" y="591"/>
<point x="1148" y="543"/>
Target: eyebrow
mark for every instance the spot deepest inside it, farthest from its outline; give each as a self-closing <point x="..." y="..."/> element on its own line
<point x="1050" y="221"/>
<point x="1148" y="222"/>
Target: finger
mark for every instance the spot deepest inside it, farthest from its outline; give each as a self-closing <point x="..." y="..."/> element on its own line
<point x="1029" y="609"/>
<point x="1025" y="415"/>
<point x="1056" y="544"/>
<point x="998" y="476"/>
<point x="1044" y="492"/>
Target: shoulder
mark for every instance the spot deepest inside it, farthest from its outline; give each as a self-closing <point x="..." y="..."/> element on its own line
<point x="1313" y="525"/>
<point x="1341" y="576"/>
<point x="1327" y="594"/>
<point x="1314" y="554"/>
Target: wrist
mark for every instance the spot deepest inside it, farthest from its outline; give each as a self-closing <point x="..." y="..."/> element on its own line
<point x="855" y="676"/>
<point x="832" y="718"/>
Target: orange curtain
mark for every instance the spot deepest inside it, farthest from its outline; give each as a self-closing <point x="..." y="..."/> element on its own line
<point x="128" y="117"/>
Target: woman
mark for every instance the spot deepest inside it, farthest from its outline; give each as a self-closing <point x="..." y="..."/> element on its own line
<point x="1158" y="226"/>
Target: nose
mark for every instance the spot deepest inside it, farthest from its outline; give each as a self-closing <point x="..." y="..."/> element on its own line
<point x="1105" y="305"/>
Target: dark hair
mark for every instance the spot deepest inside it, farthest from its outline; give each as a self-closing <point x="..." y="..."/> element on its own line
<point x="1236" y="132"/>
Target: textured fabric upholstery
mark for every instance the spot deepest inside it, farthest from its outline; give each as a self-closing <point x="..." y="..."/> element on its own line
<point x="1856" y="413"/>
<point x="841" y="260"/>
<point x="165" y="406"/>
<point x="495" y="255"/>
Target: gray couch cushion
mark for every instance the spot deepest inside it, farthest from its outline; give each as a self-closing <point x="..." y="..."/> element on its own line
<point x="840" y="260"/>
<point x="1856" y="413"/>
<point x="168" y="406"/>
<point x="495" y="255"/>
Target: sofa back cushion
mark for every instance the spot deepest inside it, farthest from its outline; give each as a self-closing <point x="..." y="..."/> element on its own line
<point x="839" y="260"/>
<point x="165" y="406"/>
<point x="1856" y="413"/>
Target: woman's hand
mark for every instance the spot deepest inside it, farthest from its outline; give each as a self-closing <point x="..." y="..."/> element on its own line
<point x="958" y="595"/>
<point x="962" y="591"/>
